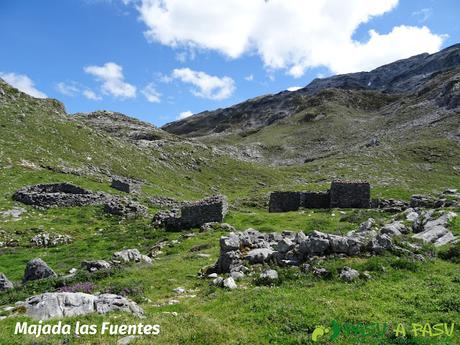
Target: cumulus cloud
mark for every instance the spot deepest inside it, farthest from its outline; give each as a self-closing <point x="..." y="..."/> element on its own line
<point x="184" y="115"/>
<point x="73" y="89"/>
<point x="67" y="89"/>
<point x="249" y="77"/>
<point x="90" y="94"/>
<point x="23" y="83"/>
<point x="423" y="15"/>
<point x="294" y="88"/>
<point x="151" y="94"/>
<point x="307" y="33"/>
<point x="206" y="86"/>
<point x="111" y="76"/>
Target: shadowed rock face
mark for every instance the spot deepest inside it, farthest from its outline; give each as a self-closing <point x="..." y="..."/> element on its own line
<point x="37" y="269"/>
<point x="402" y="76"/>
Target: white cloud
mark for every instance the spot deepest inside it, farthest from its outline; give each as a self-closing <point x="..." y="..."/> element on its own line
<point x="111" y="76"/>
<point x="423" y="14"/>
<point x="67" y="89"/>
<point x="206" y="86"/>
<point x="90" y="94"/>
<point x="294" y="88"/>
<point x="307" y="33"/>
<point x="249" y="77"/>
<point x="151" y="94"/>
<point x="184" y="115"/>
<point x="22" y="83"/>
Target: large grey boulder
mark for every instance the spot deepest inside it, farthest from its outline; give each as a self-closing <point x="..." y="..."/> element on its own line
<point x="229" y="283"/>
<point x="349" y="274"/>
<point x="317" y="243"/>
<point x="5" y="283"/>
<point x="345" y="245"/>
<point x="381" y="243"/>
<point x="259" y="255"/>
<point x="268" y="277"/>
<point x="436" y="232"/>
<point x="37" y="269"/>
<point x="96" y="265"/>
<point x="228" y="261"/>
<point x="67" y="304"/>
<point x="285" y="245"/>
<point x="229" y="243"/>
<point x="130" y="255"/>
<point x="109" y="302"/>
<point x="395" y="228"/>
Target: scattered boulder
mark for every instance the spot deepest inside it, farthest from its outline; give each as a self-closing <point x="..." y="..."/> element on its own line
<point x="215" y="226"/>
<point x="96" y="265"/>
<point x="389" y="205"/>
<point x="424" y="201"/>
<point x="68" y="304"/>
<point x="259" y="255"/>
<point x="50" y="240"/>
<point x="126" y="185"/>
<point x="5" y="283"/>
<point x="348" y="274"/>
<point x="321" y="273"/>
<point x="37" y="269"/>
<point x="435" y="231"/>
<point x="268" y="277"/>
<point x="130" y="255"/>
<point x="15" y="213"/>
<point x="125" y="208"/>
<point x="219" y="281"/>
<point x="229" y="283"/>
<point x="127" y="340"/>
<point x="395" y="228"/>
<point x="179" y="290"/>
<point x="237" y="275"/>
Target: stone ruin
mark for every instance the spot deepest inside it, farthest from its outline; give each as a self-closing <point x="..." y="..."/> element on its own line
<point x="57" y="195"/>
<point x="343" y="194"/>
<point x="193" y="214"/>
<point x="292" y="201"/>
<point x="350" y="194"/>
<point x="69" y="195"/>
<point x="239" y="250"/>
<point x="126" y="185"/>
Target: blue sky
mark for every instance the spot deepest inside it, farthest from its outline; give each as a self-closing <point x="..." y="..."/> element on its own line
<point x="155" y="59"/>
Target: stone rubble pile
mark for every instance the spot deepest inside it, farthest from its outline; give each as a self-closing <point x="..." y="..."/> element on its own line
<point x="50" y="240"/>
<point x="240" y="249"/>
<point x="69" y="195"/>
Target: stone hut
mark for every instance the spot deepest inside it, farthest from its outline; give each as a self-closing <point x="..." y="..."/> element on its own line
<point x="350" y="194"/>
<point x="193" y="214"/>
<point x="284" y="201"/>
<point x="125" y="185"/>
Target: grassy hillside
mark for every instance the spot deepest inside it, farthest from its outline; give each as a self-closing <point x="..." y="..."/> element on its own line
<point x="39" y="143"/>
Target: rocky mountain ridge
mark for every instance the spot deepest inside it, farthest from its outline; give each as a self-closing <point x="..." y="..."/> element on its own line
<point x="406" y="76"/>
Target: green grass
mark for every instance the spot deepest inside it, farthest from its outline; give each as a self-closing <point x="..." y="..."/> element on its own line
<point x="400" y="290"/>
